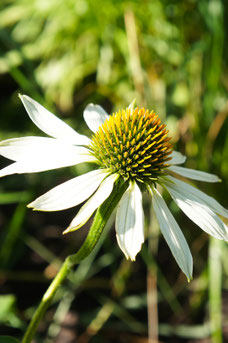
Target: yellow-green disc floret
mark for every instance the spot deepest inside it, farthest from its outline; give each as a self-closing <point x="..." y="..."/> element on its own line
<point x="134" y="144"/>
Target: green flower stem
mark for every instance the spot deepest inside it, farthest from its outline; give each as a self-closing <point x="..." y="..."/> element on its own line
<point x="102" y="215"/>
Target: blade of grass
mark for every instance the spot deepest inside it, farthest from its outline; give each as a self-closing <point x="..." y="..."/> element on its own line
<point x="215" y="289"/>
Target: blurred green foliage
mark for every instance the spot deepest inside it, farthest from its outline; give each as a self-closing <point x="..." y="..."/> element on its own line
<point x="172" y="57"/>
<point x="7" y="310"/>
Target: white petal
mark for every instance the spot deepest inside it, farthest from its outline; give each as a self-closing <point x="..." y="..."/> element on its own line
<point x="23" y="148"/>
<point x="70" y="193"/>
<point x="132" y="105"/>
<point x="50" y="124"/>
<point x="194" y="174"/>
<point x="94" y="116"/>
<point x="196" y="209"/>
<point x="35" y="166"/>
<point x="177" y="158"/>
<point x="213" y="204"/>
<point x="34" y="158"/>
<point x="93" y="203"/>
<point x="130" y="222"/>
<point x="173" y="234"/>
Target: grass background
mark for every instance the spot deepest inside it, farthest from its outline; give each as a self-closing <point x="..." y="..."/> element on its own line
<point x="172" y="57"/>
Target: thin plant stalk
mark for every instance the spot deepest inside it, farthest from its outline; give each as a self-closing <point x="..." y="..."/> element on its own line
<point x="101" y="218"/>
<point x="134" y="54"/>
<point x="215" y="289"/>
<point x="152" y="308"/>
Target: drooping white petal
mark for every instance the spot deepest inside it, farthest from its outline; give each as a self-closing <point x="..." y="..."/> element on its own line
<point x="24" y="148"/>
<point x="213" y="204"/>
<point x="196" y="209"/>
<point x="94" y="116"/>
<point x="173" y="234"/>
<point x="43" y="158"/>
<point x="129" y="222"/>
<point x="70" y="193"/>
<point x="177" y="158"/>
<point x="194" y="174"/>
<point x="93" y="203"/>
<point x="50" y="124"/>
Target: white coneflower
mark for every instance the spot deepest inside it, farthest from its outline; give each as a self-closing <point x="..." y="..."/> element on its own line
<point x="130" y="146"/>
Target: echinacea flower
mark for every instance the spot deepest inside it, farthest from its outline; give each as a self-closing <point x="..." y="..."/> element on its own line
<point x="130" y="146"/>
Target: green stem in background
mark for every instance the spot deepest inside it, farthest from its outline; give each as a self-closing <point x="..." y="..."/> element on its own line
<point x="152" y="290"/>
<point x="102" y="215"/>
<point x="215" y="289"/>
